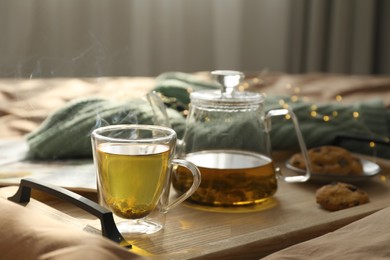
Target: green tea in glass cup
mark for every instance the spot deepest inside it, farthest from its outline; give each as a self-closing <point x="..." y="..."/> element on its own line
<point x="133" y="165"/>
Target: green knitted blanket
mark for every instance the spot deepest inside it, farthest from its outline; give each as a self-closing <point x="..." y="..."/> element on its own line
<point x="66" y="133"/>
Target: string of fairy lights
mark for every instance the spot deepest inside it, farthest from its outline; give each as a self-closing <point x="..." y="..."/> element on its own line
<point x="295" y="95"/>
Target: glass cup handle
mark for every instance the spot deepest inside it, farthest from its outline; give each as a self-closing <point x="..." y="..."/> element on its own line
<point x="302" y="145"/>
<point x="195" y="182"/>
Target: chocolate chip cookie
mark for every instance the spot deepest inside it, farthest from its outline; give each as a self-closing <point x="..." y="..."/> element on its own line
<point x="331" y="160"/>
<point x="340" y="195"/>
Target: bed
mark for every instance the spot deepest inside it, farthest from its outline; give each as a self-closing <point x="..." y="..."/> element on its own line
<point x="26" y="103"/>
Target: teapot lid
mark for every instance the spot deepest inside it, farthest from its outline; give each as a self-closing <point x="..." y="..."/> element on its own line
<point x="229" y="94"/>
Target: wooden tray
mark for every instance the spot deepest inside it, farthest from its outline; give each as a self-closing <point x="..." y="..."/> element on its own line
<point x="195" y="232"/>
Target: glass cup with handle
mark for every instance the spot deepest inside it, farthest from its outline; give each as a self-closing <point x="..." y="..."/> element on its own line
<point x="133" y="165"/>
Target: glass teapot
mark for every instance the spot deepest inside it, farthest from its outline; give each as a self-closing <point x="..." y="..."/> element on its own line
<point x="227" y="137"/>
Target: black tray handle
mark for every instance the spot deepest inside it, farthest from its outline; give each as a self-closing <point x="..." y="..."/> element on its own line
<point x="109" y="229"/>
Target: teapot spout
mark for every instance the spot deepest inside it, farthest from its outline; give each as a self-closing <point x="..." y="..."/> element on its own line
<point x="160" y="115"/>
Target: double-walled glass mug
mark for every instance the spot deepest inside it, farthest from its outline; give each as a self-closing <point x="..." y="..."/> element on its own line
<point x="133" y="165"/>
<point x="227" y="137"/>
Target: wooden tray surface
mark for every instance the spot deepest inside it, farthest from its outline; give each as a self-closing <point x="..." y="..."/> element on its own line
<point x="193" y="232"/>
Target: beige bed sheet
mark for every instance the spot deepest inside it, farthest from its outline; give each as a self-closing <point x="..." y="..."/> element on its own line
<point x="23" y="236"/>
<point x="367" y="238"/>
<point x="25" y="103"/>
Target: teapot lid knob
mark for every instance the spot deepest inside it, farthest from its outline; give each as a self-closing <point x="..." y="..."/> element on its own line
<point x="229" y="80"/>
<point x="229" y="95"/>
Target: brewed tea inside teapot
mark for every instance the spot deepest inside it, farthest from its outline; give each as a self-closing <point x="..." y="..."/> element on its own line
<point x="227" y="138"/>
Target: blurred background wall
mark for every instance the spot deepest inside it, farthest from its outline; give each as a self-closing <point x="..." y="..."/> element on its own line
<point x="88" y="38"/>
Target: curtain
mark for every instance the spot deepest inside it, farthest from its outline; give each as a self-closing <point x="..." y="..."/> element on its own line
<point x="348" y="36"/>
<point x="73" y="38"/>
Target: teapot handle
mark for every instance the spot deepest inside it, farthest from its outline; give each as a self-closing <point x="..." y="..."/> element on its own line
<point x="302" y="145"/>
